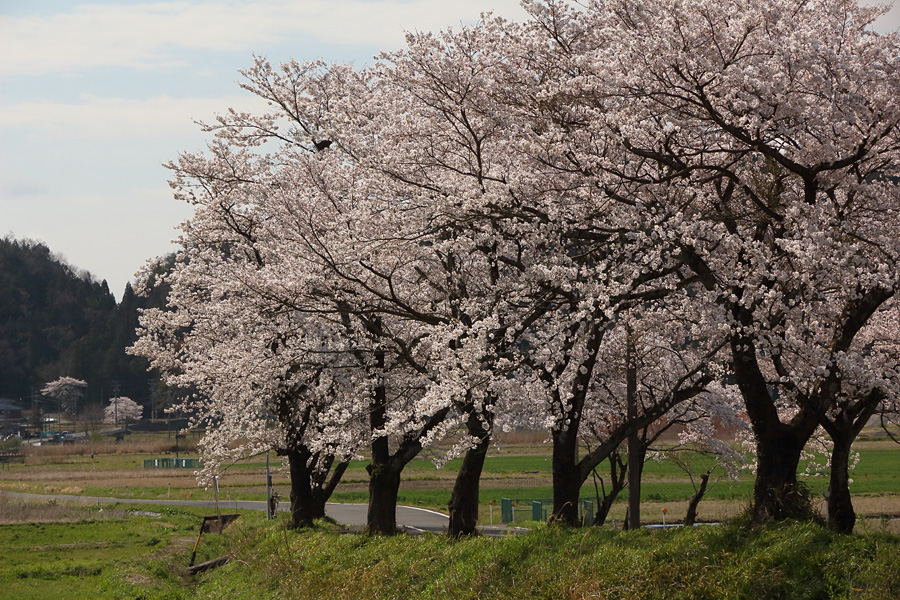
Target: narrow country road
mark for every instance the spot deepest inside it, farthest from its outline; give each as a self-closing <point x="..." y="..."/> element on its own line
<point x="408" y="517"/>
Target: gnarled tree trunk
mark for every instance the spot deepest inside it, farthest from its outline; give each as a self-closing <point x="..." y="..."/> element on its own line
<point x="691" y="517"/>
<point x="384" y="485"/>
<point x="776" y="493"/>
<point x="311" y="486"/>
<point x="303" y="509"/>
<point x="843" y="427"/>
<point x="567" y="478"/>
<point x="463" y="505"/>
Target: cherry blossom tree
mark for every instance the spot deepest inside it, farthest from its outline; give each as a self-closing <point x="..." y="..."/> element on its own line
<point x="870" y="374"/>
<point x="292" y="254"/>
<point x="122" y="409"/>
<point x="778" y="120"/>
<point x="437" y="242"/>
<point x="66" y="391"/>
<point x="652" y="376"/>
<point x="258" y="384"/>
<point x="434" y="268"/>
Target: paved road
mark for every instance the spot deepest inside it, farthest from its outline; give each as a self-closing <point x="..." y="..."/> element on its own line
<point x="410" y="517"/>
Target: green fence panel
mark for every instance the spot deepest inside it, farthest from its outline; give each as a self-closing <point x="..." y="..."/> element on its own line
<point x="540" y="509"/>
<point x="537" y="510"/>
<point x="506" y="510"/>
<point x="587" y="512"/>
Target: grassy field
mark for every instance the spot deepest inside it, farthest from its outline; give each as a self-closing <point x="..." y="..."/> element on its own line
<point x="52" y="550"/>
<point x="517" y="470"/>
<point x="784" y="561"/>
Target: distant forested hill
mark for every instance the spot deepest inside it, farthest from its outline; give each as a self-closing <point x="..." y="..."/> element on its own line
<point x="56" y="320"/>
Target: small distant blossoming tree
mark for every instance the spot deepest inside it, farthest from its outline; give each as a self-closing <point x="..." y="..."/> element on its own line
<point x="66" y="391"/>
<point x="122" y="409"/>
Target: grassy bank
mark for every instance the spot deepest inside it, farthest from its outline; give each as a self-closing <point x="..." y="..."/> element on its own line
<point x="783" y="561"/>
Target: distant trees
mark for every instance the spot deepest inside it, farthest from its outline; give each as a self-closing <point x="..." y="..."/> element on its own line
<point x="56" y="320"/>
<point x="587" y="223"/>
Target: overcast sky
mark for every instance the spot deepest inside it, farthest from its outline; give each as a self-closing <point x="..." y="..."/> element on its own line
<point x="94" y="97"/>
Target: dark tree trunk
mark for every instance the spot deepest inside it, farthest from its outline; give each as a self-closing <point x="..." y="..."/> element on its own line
<point x="691" y="517"/>
<point x="776" y="493"/>
<point x="618" y="472"/>
<point x="568" y="473"/>
<point x="605" y="506"/>
<point x="841" y="516"/>
<point x="843" y="427"/>
<point x="463" y="505"/>
<point x="384" y="485"/>
<point x="303" y="504"/>
<point x="637" y="451"/>
<point x="384" y="470"/>
<point x="384" y="477"/>
<point x="636" y="455"/>
<point x="567" y="478"/>
<point x="317" y="505"/>
<point x="325" y="486"/>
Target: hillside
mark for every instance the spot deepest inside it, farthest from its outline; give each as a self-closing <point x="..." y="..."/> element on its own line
<point x="57" y="320"/>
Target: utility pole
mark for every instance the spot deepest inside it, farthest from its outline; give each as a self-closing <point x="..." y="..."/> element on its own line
<point x="268" y="490"/>
<point x="38" y="415"/>
<point x="152" y="389"/>
<point x="115" y="393"/>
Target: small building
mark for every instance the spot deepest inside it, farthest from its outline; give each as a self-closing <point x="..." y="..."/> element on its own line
<point x="10" y="417"/>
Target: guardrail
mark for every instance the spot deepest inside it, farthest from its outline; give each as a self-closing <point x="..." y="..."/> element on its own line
<point x="172" y="463"/>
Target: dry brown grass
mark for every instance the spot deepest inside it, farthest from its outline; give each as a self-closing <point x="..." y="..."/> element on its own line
<point x="521" y="438"/>
<point x="139" y="445"/>
<point x="22" y="510"/>
<point x="157" y="478"/>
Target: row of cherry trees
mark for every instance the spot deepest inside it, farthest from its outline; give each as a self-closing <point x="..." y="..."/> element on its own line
<point x="586" y="223"/>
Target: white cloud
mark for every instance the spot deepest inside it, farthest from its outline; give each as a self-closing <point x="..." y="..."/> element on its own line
<point x="119" y="118"/>
<point x="153" y="35"/>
